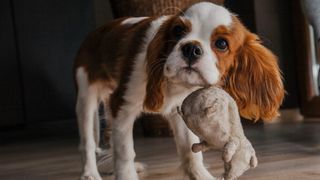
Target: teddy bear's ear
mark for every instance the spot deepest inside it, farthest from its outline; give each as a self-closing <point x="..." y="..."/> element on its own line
<point x="209" y="111"/>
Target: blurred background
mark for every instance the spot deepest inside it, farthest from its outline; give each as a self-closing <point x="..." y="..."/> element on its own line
<point x="39" y="40"/>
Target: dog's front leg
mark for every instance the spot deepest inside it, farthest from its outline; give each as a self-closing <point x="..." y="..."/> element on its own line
<point x="123" y="144"/>
<point x="192" y="163"/>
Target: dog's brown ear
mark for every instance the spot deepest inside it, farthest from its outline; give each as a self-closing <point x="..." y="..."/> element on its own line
<point x="158" y="50"/>
<point x="154" y="90"/>
<point x="255" y="80"/>
<point x="154" y="67"/>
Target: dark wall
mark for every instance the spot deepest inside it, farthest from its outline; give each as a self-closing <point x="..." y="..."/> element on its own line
<point x="11" y="107"/>
<point x="245" y="10"/>
<point x="48" y="34"/>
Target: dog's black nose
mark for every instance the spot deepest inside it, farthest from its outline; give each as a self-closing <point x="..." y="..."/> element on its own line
<point x="191" y="52"/>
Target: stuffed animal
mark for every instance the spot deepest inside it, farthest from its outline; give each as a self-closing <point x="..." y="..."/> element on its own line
<point x="212" y="114"/>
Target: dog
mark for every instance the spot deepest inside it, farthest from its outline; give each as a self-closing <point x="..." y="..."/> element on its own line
<point x="150" y="64"/>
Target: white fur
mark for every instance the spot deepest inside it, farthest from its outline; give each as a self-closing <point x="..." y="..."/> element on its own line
<point x="204" y="18"/>
<point x="175" y="94"/>
<point x="122" y="127"/>
<point x="86" y="109"/>
<point x="135" y="94"/>
<point x="132" y="20"/>
<point x="89" y="96"/>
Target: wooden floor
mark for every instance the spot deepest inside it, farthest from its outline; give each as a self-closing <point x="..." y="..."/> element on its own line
<point x="284" y="152"/>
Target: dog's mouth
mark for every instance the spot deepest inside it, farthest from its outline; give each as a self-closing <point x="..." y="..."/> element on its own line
<point x="190" y="70"/>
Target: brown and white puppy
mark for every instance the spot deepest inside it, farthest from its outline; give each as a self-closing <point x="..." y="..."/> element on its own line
<point x="150" y="64"/>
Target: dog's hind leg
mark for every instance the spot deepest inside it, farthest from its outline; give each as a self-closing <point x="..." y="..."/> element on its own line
<point x="105" y="157"/>
<point x="86" y="108"/>
<point x="97" y="130"/>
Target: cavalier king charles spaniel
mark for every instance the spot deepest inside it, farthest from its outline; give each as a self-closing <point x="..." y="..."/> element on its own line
<point x="150" y="64"/>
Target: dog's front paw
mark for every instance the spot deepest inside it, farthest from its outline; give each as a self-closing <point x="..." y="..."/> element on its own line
<point x="105" y="162"/>
<point x="91" y="176"/>
<point x="126" y="171"/>
<point x="140" y="167"/>
<point x="199" y="173"/>
<point x="220" y="178"/>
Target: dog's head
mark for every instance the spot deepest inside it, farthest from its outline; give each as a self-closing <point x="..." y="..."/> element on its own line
<point x="206" y="45"/>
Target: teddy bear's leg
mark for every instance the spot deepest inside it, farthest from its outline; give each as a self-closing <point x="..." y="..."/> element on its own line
<point x="232" y="172"/>
<point x="230" y="177"/>
<point x="242" y="160"/>
<point x="249" y="150"/>
<point x="192" y="163"/>
<point x="235" y="170"/>
<point x="227" y="167"/>
<point x="229" y="149"/>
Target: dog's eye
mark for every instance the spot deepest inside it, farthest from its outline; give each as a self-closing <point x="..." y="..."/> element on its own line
<point x="221" y="44"/>
<point x="178" y="31"/>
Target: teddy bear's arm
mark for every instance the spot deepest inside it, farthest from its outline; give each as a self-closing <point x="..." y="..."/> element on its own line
<point x="202" y="146"/>
<point x="230" y="149"/>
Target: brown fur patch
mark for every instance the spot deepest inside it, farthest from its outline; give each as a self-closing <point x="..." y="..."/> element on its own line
<point x="250" y="72"/>
<point x="108" y="55"/>
<point x="158" y="51"/>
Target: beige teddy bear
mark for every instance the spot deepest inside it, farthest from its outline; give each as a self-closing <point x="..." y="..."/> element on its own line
<point x="212" y="114"/>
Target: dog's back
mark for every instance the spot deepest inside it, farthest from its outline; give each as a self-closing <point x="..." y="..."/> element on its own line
<point x="108" y="50"/>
